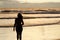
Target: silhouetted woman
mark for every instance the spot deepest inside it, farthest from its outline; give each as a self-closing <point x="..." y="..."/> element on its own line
<point x="18" y="25"/>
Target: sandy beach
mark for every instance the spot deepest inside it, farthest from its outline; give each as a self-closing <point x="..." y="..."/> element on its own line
<point x="49" y="32"/>
<point x="34" y="28"/>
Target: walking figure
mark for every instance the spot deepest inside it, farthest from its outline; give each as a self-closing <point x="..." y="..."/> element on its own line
<point x="18" y="26"/>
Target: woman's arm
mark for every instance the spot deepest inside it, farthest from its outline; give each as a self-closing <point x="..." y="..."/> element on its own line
<point x="14" y="27"/>
<point x="22" y="21"/>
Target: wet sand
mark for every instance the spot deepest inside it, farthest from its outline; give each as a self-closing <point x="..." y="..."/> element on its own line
<point x="48" y="32"/>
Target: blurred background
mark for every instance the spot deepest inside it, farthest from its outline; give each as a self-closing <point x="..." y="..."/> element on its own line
<point x="41" y="19"/>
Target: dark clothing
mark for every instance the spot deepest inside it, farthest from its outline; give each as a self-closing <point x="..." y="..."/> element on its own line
<point x="19" y="29"/>
<point x="18" y="25"/>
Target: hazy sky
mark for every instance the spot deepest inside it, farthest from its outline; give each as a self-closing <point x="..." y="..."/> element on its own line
<point x="19" y="3"/>
<point x="38" y="1"/>
<point x="33" y="1"/>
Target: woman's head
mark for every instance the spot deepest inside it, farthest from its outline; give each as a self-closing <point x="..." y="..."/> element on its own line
<point x="19" y="15"/>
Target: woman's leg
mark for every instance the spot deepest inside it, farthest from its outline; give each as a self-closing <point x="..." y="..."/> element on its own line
<point x="18" y="35"/>
<point x="21" y="35"/>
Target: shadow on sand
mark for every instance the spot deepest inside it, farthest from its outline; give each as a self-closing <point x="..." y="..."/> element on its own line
<point x="43" y="24"/>
<point x="36" y="24"/>
<point x="56" y="39"/>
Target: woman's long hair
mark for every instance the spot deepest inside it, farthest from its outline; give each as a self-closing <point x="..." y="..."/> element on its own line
<point x="19" y="16"/>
